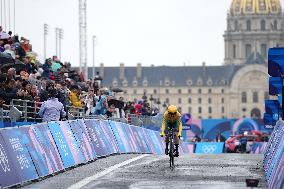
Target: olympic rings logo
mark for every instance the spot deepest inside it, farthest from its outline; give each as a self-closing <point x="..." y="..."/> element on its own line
<point x="209" y="149"/>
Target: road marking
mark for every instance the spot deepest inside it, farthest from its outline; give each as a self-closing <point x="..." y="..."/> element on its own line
<point x="87" y="180"/>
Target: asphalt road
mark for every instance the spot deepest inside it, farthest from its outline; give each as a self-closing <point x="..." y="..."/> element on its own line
<point x="151" y="171"/>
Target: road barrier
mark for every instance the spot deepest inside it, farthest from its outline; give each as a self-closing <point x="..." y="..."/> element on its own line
<point x="32" y="152"/>
<point x="274" y="158"/>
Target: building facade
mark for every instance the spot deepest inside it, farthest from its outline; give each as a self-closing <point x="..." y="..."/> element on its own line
<point x="236" y="89"/>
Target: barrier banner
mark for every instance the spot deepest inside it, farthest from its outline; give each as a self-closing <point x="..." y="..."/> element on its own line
<point x="130" y="138"/>
<point x="66" y="144"/>
<point x="133" y="140"/>
<point x="119" y="141"/>
<point x="157" y="143"/>
<point x="19" y="154"/>
<point x="188" y="147"/>
<point x="105" y="127"/>
<point x="258" y="148"/>
<point x="102" y="136"/>
<point x="82" y="140"/>
<point x="8" y="173"/>
<point x="148" y="140"/>
<point x="88" y="137"/>
<point x="97" y="138"/>
<point x="209" y="147"/>
<point x="138" y="140"/>
<point x="124" y="137"/>
<point x="141" y="138"/>
<point x="278" y="181"/>
<point x="43" y="149"/>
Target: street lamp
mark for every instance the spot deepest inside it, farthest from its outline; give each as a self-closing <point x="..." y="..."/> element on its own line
<point x="94" y="40"/>
<point x="59" y="36"/>
<point x="44" y="43"/>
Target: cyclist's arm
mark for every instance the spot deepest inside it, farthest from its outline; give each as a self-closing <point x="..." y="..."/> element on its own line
<point x="164" y="123"/>
<point x="180" y="125"/>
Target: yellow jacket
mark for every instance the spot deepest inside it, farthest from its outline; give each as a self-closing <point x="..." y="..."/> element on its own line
<point x="167" y="118"/>
<point x="74" y="99"/>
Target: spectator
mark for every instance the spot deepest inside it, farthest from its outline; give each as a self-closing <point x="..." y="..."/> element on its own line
<point x="74" y="97"/>
<point x="47" y="71"/>
<point x="196" y="138"/>
<point x="220" y="138"/>
<point x="9" y="50"/>
<point x="52" y="109"/>
<point x="2" y="49"/>
<point x="90" y="101"/>
<point x="138" y="107"/>
<point x="101" y="106"/>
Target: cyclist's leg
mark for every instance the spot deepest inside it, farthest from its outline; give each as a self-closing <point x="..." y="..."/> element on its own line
<point x="176" y="141"/>
<point x="167" y="140"/>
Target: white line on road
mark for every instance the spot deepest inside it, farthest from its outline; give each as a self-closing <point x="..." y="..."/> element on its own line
<point x="87" y="180"/>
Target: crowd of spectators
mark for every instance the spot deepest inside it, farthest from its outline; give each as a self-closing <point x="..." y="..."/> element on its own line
<point x="22" y="76"/>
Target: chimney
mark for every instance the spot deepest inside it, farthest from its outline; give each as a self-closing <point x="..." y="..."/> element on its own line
<point x="121" y="71"/>
<point x="139" y="71"/>
<point x="204" y="68"/>
<point x="102" y="70"/>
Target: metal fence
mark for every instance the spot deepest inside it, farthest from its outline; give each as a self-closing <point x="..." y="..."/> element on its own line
<point x="141" y="120"/>
<point x="27" y="111"/>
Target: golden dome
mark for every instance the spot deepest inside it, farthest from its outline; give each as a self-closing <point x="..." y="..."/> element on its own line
<point x="239" y="7"/>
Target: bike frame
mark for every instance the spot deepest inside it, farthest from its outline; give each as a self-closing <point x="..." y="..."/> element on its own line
<point x="172" y="148"/>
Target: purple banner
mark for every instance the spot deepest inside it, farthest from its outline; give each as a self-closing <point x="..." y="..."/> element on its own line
<point x="8" y="173"/>
<point x="66" y="144"/>
<point x="138" y="140"/>
<point x="95" y="134"/>
<point x="16" y="147"/>
<point x="119" y="140"/>
<point x="131" y="139"/>
<point x="42" y="149"/>
<point x="149" y="141"/>
<point x="109" y="136"/>
<point x="188" y="148"/>
<point x="82" y="139"/>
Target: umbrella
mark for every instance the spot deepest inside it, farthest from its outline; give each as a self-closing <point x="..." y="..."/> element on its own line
<point x="4" y="35"/>
<point x="6" y="58"/>
<point x="117" y="90"/>
<point x="18" y="66"/>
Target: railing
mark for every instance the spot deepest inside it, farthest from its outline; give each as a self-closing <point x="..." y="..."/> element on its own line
<point x="27" y="111"/>
<point x="140" y="120"/>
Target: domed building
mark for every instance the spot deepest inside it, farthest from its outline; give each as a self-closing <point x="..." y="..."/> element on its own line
<point x="236" y="89"/>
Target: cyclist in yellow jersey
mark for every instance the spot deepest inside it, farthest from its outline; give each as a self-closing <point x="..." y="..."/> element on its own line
<point x="172" y="118"/>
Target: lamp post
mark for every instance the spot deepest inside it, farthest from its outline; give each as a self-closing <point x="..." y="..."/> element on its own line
<point x="45" y="27"/>
<point x="59" y="42"/>
<point x="94" y="40"/>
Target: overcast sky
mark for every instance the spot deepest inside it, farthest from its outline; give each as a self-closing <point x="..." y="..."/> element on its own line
<point x="159" y="32"/>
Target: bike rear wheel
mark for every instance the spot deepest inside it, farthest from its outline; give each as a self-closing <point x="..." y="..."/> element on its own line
<point x="171" y="154"/>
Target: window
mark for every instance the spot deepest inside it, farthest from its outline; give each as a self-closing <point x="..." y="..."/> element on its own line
<point x="189" y="100"/>
<point x="262" y="25"/>
<point x="179" y="109"/>
<point x="275" y="25"/>
<point x="199" y="91"/>
<point x="209" y="100"/>
<point x="199" y="100"/>
<point x="248" y="25"/>
<point x="179" y="91"/>
<point x="179" y="100"/>
<point x="167" y="91"/>
<point x="244" y="97"/>
<point x="248" y="50"/>
<point x="209" y="91"/>
<point x="189" y="110"/>
<point x="145" y="91"/>
<point x="135" y="91"/>
<point x="210" y="117"/>
<point x="189" y="91"/>
<point x="199" y="110"/>
<point x="255" y="97"/>
<point x="234" y="51"/>
<point x="155" y="91"/>
<point x="222" y="91"/>
<point x="167" y="100"/>
<point x="210" y="110"/>
<point x="266" y="96"/>
<point x="263" y="50"/>
<point x="236" y="25"/>
<point x="125" y="92"/>
<point x="223" y="109"/>
<point x="222" y="100"/>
